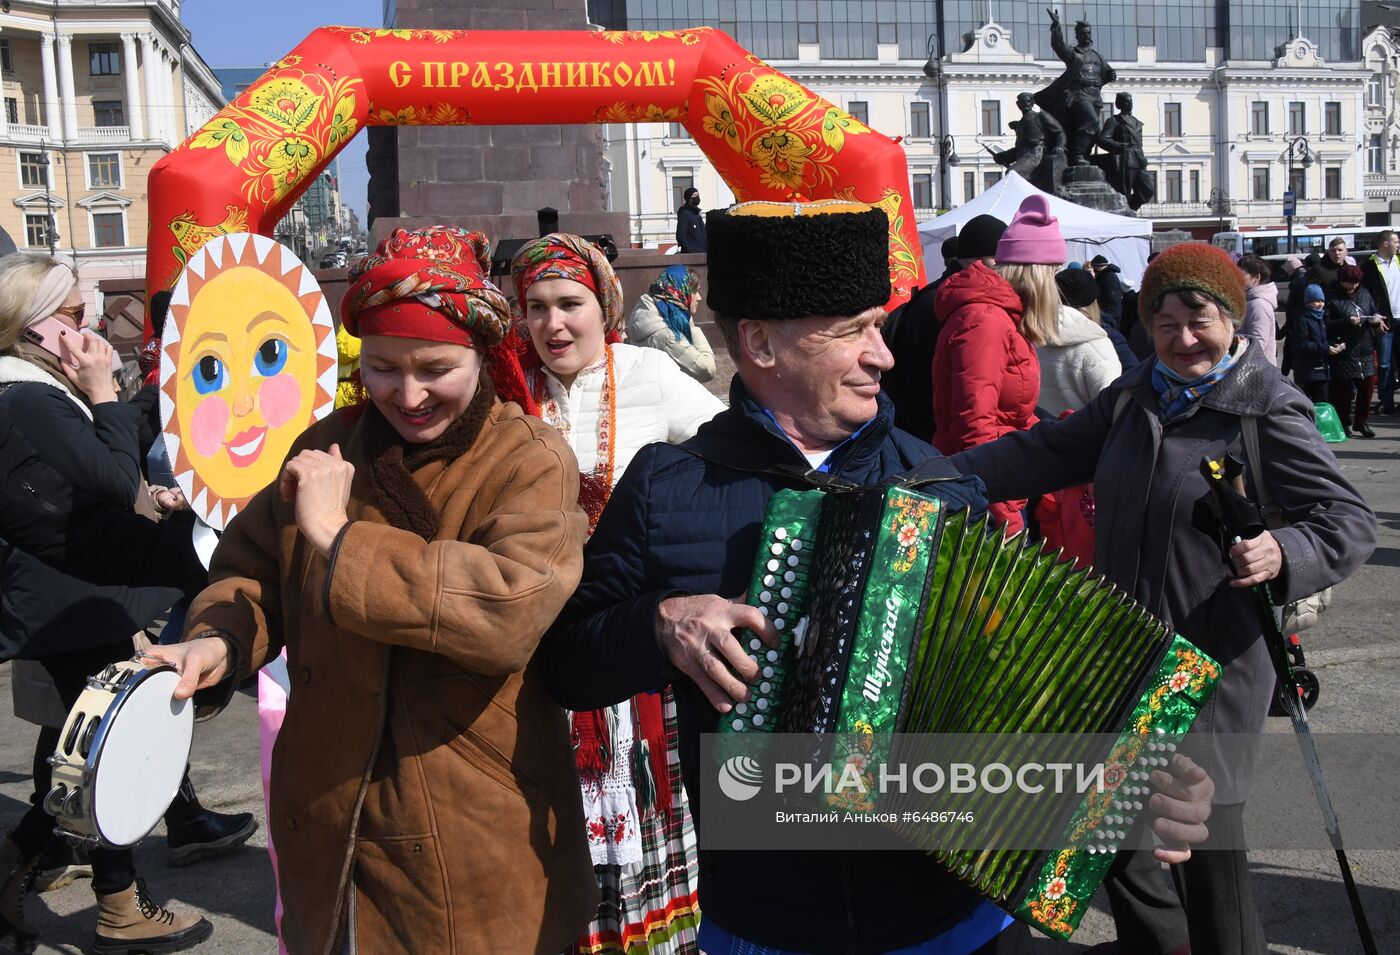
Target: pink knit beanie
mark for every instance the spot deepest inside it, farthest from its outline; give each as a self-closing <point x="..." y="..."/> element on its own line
<point x="1033" y="238"/>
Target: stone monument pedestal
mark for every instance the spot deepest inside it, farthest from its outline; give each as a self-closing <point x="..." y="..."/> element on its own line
<point x="1086" y="186"/>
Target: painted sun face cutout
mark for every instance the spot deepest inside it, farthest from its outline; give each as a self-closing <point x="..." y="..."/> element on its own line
<point x="247" y="363"/>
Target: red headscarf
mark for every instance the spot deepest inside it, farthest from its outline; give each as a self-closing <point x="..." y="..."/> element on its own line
<point x="431" y="284"/>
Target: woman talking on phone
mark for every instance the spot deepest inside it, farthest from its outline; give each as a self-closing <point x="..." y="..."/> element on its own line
<point x="57" y="391"/>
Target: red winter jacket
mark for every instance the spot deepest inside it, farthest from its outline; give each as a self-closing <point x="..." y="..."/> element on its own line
<point x="986" y="378"/>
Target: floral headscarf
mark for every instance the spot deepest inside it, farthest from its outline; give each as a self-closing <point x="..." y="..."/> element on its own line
<point x="431" y="284"/>
<point x="561" y="255"/>
<point x="673" y="291"/>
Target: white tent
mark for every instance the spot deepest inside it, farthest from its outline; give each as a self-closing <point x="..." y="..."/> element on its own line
<point x="1123" y="240"/>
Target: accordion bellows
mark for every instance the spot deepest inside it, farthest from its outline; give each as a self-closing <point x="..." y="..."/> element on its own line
<point x="898" y="616"/>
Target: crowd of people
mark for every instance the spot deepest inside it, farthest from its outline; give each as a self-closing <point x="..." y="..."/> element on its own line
<point x="508" y="574"/>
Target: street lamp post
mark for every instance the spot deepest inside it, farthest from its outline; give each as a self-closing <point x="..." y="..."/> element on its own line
<point x="1298" y="144"/>
<point x="947" y="156"/>
<point x="1219" y="201"/>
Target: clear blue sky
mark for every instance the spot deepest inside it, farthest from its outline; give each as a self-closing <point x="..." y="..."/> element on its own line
<point x="258" y="32"/>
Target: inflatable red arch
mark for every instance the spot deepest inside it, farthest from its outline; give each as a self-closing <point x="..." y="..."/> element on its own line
<point x="769" y="137"/>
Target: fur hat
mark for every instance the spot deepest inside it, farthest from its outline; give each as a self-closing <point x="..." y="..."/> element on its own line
<point x="794" y="259"/>
<point x="979" y="237"/>
<point x="1197" y="267"/>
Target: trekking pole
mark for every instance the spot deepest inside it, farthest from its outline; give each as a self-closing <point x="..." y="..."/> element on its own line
<point x="1242" y="521"/>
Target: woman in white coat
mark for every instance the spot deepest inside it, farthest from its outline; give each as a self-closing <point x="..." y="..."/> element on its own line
<point x="609" y="400"/>
<point x="1079" y="360"/>
<point x="663" y="318"/>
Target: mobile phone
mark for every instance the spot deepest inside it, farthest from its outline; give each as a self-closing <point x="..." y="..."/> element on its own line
<point x="46" y="333"/>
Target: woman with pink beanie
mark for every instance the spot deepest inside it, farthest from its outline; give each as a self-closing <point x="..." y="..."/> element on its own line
<point x="986" y="378"/>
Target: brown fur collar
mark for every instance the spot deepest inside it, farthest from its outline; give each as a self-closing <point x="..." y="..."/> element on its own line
<point x="392" y="461"/>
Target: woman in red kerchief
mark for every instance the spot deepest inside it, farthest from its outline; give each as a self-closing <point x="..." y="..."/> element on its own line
<point x="609" y="400"/>
<point x="413" y="552"/>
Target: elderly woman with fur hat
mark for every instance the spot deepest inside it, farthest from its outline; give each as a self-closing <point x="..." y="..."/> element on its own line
<point x="609" y="400"/>
<point x="423" y="795"/>
<point x="1141" y="442"/>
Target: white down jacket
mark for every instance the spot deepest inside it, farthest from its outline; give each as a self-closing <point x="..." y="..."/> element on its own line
<point x="646" y="327"/>
<point x="656" y="401"/>
<point x="1076" y="369"/>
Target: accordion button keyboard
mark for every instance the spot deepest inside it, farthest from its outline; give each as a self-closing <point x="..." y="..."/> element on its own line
<point x="767" y="673"/>
<point x="773" y="565"/>
<point x="778" y="624"/>
<point x="755" y="644"/>
<point x="765" y="686"/>
<point x="785" y="593"/>
<point x="738" y="726"/>
<point x="758" y="719"/>
<point x="797" y="544"/>
<point x="789" y="576"/>
<point x="741" y="708"/>
<point x="782" y="607"/>
<point x="766" y="597"/>
<point x="770" y="580"/>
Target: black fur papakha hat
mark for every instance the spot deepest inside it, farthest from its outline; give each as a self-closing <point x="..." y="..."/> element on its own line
<point x="794" y="259"/>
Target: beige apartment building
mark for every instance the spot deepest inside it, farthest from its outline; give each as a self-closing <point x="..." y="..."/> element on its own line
<point x="94" y="93"/>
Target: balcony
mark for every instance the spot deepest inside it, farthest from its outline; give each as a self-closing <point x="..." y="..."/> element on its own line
<point x="89" y="136"/>
<point x="1181" y="210"/>
<point x="29" y="134"/>
<point x="103" y="135"/>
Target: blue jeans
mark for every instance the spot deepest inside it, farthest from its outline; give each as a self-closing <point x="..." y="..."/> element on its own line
<point x="1385" y="377"/>
<point x="984" y="924"/>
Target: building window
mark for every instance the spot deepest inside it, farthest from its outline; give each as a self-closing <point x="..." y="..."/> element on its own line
<point x="1259" y="118"/>
<point x="990" y="179"/>
<point x="1195" y="185"/>
<point x="1173" y="192"/>
<point x="1171" y="120"/>
<point x="107" y="231"/>
<point x="104" y="59"/>
<point x="806" y="32"/>
<point x="1332" y="182"/>
<point x="1375" y="154"/>
<point x="1297" y="120"/>
<point x="7" y="57"/>
<point x="1332" y="119"/>
<point x="679" y="184"/>
<point x="1374" y="95"/>
<point x="1298" y="183"/>
<point x="991" y="117"/>
<point x="969" y="186"/>
<point x="11" y="110"/>
<point x="36" y="230"/>
<point x="1260" y="182"/>
<point x="107" y="112"/>
<point x="918" y="121"/>
<point x="923" y="190"/>
<point x="104" y="170"/>
<point x="677" y="131"/>
<point x="859" y="110"/>
<point x="33" y="170"/>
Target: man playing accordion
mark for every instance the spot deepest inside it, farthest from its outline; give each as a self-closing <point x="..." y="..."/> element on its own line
<point x="798" y="292"/>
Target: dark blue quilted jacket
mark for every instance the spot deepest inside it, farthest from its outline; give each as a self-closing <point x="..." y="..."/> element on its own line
<point x="685" y="519"/>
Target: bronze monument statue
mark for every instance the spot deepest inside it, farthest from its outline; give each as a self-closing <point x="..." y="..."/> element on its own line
<point x="1076" y="97"/>
<point x="1126" y="164"/>
<point x="1075" y="101"/>
<point x="1039" y="153"/>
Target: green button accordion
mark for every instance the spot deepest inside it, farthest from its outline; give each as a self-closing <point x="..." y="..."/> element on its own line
<point x="897" y="615"/>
